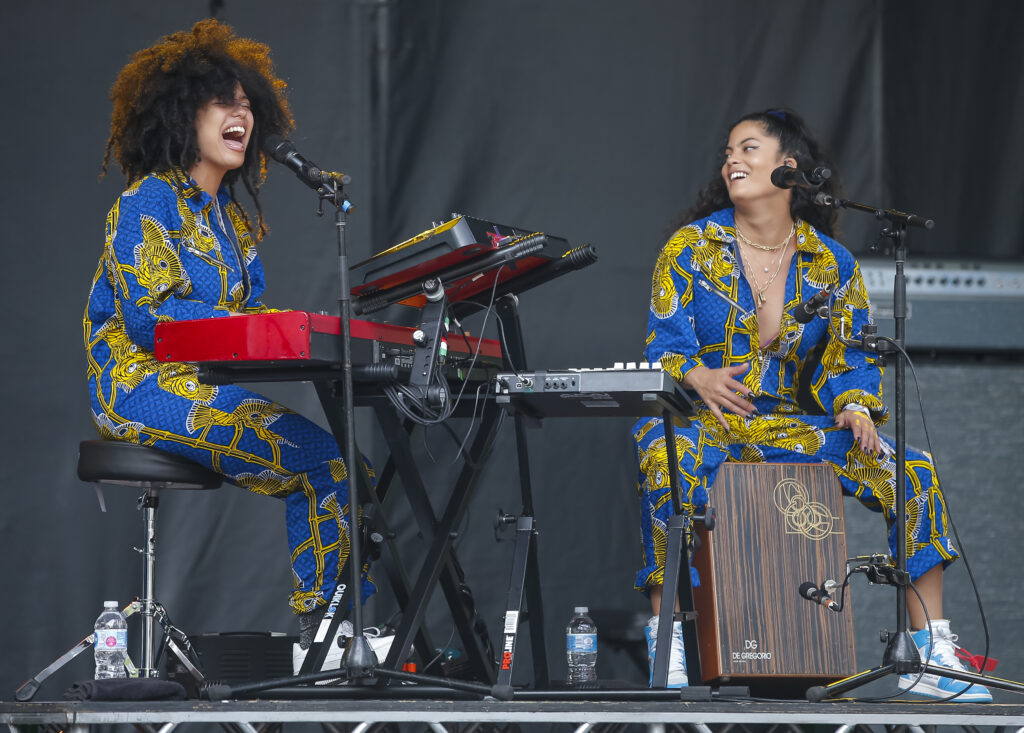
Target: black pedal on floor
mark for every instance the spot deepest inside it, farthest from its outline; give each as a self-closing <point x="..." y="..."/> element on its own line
<point x="236" y="658"/>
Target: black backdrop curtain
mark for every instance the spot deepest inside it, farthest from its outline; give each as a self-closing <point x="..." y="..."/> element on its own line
<point x="596" y="121"/>
<point x="952" y="107"/>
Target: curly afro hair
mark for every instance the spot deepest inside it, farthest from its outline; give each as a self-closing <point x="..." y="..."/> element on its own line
<point x="156" y="97"/>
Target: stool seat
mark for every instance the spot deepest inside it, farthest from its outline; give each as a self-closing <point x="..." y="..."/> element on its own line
<point x="117" y="462"/>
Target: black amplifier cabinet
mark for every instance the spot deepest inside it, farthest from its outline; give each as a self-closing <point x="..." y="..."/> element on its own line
<point x="235" y="658"/>
<point x="952" y="306"/>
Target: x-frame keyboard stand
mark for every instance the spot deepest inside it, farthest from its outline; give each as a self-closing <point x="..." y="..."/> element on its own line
<point x="440" y="564"/>
<point x="440" y="559"/>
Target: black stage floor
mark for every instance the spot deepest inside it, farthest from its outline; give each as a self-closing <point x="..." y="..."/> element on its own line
<point x="462" y="715"/>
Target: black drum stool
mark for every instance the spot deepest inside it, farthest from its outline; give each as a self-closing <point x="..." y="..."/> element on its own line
<point x="152" y="470"/>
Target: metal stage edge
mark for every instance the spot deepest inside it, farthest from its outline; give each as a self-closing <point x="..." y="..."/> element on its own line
<point x="78" y="716"/>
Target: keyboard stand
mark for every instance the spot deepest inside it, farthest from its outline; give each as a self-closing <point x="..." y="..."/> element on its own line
<point x="440" y="565"/>
<point x="677" y="582"/>
<point x="525" y="576"/>
<point x="376" y="532"/>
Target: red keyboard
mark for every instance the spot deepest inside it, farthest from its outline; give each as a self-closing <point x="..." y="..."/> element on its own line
<point x="298" y="337"/>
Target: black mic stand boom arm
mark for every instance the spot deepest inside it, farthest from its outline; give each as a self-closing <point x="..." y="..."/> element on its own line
<point x="901" y="654"/>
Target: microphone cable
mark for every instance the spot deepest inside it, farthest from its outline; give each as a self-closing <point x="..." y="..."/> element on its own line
<point x="949" y="512"/>
<point x="410" y="404"/>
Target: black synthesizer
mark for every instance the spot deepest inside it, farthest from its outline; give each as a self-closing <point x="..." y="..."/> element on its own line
<point x="625" y="390"/>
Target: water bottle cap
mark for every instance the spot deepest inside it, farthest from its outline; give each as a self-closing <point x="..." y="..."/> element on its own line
<point x="581" y="609"/>
<point x="110" y="604"/>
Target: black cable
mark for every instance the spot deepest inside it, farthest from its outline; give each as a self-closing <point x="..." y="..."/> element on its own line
<point x="461" y="443"/>
<point x="476" y="404"/>
<point x="949" y="513"/>
<point x="483" y="327"/>
<point x="502" y="338"/>
<point x="920" y="675"/>
<point x="453" y="404"/>
<point x="426" y="448"/>
<point x="440" y="652"/>
<point x="416" y="409"/>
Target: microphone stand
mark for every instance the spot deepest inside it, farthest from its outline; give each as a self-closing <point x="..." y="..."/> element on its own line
<point x="359" y="658"/>
<point x="901" y="654"/>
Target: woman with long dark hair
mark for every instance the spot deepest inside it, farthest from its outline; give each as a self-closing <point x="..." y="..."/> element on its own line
<point x="190" y="117"/>
<point x="720" y="323"/>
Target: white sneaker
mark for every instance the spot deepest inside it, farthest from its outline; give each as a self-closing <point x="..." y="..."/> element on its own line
<point x="943" y="654"/>
<point x="677" y="656"/>
<point x="379" y="643"/>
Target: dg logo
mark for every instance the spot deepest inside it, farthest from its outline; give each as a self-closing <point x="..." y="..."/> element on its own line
<point x="811" y="519"/>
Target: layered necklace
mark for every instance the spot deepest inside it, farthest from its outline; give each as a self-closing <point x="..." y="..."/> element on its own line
<point x="760" y="288"/>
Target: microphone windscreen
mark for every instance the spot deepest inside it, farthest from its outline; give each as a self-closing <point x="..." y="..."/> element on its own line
<point x="277" y="147"/>
<point x="779" y="176"/>
<point x="807" y="589"/>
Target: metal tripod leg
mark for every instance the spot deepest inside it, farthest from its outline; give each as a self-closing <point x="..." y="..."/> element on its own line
<point x="151" y="610"/>
<point x="177" y="643"/>
<point x="817" y="694"/>
<point x="29" y="688"/>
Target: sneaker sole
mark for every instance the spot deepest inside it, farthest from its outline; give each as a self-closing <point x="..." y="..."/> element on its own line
<point x="929" y="690"/>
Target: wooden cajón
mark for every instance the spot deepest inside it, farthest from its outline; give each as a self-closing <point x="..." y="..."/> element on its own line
<point x="778" y="527"/>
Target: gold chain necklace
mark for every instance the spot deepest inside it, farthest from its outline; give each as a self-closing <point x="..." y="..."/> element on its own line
<point x="778" y="267"/>
<point x="763" y="247"/>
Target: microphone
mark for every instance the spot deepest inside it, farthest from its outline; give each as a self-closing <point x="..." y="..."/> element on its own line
<point x="786" y="177"/>
<point x="805" y="312"/>
<point x="812" y="592"/>
<point x="284" y="152"/>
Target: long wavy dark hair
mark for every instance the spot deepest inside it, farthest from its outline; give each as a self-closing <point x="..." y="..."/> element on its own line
<point x="796" y="141"/>
<point x="157" y="94"/>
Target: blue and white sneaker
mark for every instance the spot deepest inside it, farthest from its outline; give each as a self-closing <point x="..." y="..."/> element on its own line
<point x="943" y="654"/>
<point x="677" y="656"/>
<point x="379" y="643"/>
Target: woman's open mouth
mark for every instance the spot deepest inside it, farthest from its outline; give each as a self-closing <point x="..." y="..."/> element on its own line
<point x="234" y="138"/>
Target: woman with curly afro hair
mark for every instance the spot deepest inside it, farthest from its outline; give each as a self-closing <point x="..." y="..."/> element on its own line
<point x="190" y="115"/>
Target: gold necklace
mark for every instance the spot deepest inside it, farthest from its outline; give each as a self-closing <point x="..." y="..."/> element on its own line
<point x="763" y="247"/>
<point x="762" y="288"/>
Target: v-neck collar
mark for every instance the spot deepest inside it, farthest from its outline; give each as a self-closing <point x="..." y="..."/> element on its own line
<point x="721" y="231"/>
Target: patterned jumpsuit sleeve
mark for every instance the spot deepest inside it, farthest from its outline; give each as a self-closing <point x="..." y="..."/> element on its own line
<point x="173" y="252"/>
<point x="703" y="313"/>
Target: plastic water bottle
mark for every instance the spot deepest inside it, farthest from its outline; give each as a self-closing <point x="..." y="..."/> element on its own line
<point x="111" y="646"/>
<point x="581" y="648"/>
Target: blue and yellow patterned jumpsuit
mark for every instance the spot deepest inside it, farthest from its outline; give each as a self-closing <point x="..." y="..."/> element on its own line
<point x="703" y="313"/>
<point x="174" y="253"/>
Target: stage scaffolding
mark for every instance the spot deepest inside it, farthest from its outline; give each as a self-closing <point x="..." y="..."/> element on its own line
<point x="460" y="716"/>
